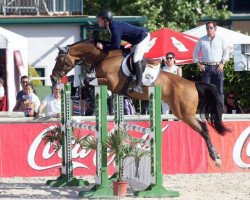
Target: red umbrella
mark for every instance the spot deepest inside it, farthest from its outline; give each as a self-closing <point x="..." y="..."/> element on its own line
<point x="166" y="40"/>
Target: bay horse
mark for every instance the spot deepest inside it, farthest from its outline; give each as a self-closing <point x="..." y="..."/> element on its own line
<point x="182" y="95"/>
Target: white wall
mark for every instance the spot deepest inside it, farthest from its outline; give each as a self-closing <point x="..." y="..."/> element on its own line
<point x="41" y="43"/>
<point x="14" y="42"/>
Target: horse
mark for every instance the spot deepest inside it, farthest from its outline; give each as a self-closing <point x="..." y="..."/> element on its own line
<point x="182" y="95"/>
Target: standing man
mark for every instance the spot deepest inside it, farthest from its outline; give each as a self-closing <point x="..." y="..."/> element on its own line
<point x="214" y="56"/>
<point x="53" y="103"/>
<point x="136" y="36"/>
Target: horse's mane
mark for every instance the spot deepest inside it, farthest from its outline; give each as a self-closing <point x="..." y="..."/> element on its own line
<point x="90" y="41"/>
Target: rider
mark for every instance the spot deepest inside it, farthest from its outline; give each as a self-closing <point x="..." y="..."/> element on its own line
<point x="136" y="36"/>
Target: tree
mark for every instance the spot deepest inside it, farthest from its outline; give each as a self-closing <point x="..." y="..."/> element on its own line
<point x="177" y="14"/>
<point x="183" y="15"/>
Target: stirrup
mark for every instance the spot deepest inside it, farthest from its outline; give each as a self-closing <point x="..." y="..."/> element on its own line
<point x="138" y="88"/>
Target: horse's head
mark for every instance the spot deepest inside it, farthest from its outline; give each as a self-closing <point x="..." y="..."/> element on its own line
<point x="82" y="53"/>
<point x="64" y="63"/>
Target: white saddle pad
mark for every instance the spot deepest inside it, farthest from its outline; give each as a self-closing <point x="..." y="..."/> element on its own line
<point x="149" y="75"/>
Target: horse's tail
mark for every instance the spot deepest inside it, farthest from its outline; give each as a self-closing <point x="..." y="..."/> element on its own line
<point x="210" y="106"/>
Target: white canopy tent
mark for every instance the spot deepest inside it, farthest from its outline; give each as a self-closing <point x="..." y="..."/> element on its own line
<point x="229" y="36"/>
<point x="13" y="42"/>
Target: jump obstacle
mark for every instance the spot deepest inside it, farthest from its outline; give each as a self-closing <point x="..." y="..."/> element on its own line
<point x="101" y="188"/>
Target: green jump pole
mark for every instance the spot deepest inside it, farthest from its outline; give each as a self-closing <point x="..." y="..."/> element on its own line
<point x="66" y="178"/>
<point x="101" y="188"/>
<point x="156" y="189"/>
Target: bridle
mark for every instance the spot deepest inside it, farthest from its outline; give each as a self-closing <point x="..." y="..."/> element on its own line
<point x="88" y="67"/>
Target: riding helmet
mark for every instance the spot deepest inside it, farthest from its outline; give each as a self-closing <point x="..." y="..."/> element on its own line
<point x="105" y="14"/>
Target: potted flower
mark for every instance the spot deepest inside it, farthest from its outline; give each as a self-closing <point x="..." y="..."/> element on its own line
<point x="54" y="137"/>
<point x="120" y="145"/>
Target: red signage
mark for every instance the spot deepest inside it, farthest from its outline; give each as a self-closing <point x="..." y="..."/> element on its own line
<point x="19" y="62"/>
<point x="24" y="153"/>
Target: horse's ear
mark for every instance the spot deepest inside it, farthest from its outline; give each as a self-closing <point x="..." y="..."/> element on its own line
<point x="61" y="49"/>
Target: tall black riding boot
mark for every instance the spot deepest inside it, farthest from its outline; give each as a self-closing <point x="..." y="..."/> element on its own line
<point x="138" y="73"/>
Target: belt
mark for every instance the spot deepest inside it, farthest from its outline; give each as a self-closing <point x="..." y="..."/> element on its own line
<point x="211" y="63"/>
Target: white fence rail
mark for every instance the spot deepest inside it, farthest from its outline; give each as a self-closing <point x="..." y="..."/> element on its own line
<point x="6" y="117"/>
<point x="26" y="7"/>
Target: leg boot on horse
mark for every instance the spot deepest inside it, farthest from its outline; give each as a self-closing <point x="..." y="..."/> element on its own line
<point x="138" y="73"/>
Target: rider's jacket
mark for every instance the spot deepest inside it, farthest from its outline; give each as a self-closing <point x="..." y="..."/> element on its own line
<point x="124" y="31"/>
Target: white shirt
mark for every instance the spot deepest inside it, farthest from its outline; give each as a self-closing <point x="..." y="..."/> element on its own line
<point x="2" y="91"/>
<point x="33" y="98"/>
<point x="53" y="105"/>
<point x="213" y="50"/>
<point x="173" y="69"/>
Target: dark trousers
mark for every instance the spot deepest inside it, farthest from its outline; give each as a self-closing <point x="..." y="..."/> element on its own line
<point x="210" y="75"/>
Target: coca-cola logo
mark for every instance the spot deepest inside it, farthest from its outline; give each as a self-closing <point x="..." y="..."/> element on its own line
<point x="78" y="154"/>
<point x="240" y="143"/>
<point x="47" y="153"/>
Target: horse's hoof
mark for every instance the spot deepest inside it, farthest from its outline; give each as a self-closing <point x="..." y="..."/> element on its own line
<point x="218" y="161"/>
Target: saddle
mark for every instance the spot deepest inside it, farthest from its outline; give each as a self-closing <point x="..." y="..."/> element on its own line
<point x="131" y="64"/>
<point x="151" y="69"/>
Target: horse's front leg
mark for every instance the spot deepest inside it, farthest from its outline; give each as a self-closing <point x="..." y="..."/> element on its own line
<point x="212" y="152"/>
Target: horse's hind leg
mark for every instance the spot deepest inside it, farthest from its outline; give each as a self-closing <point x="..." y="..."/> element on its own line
<point x="201" y="128"/>
<point x="212" y="152"/>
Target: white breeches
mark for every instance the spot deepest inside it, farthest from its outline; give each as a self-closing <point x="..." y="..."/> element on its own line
<point x="141" y="48"/>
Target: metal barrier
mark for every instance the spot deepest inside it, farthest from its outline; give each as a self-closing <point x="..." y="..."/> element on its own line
<point x="48" y="7"/>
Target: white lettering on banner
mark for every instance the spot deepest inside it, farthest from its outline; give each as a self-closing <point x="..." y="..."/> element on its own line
<point x="76" y="152"/>
<point x="238" y="147"/>
<point x="32" y="152"/>
<point x="179" y="45"/>
<point x="46" y="153"/>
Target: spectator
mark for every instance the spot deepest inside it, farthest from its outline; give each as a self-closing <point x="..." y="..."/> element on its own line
<point x="129" y="108"/>
<point x="230" y="106"/>
<point x="214" y="56"/>
<point x="171" y="68"/>
<point x="110" y="102"/>
<point x="2" y="92"/>
<point x="30" y="109"/>
<point x="144" y="107"/>
<point x="87" y="99"/>
<point x="53" y="103"/>
<point x="2" y="96"/>
<point x="24" y="81"/>
<point x="22" y="108"/>
<point x="29" y="92"/>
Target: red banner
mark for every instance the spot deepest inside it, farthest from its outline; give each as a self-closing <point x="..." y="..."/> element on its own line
<point x="233" y="148"/>
<point x="23" y="153"/>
